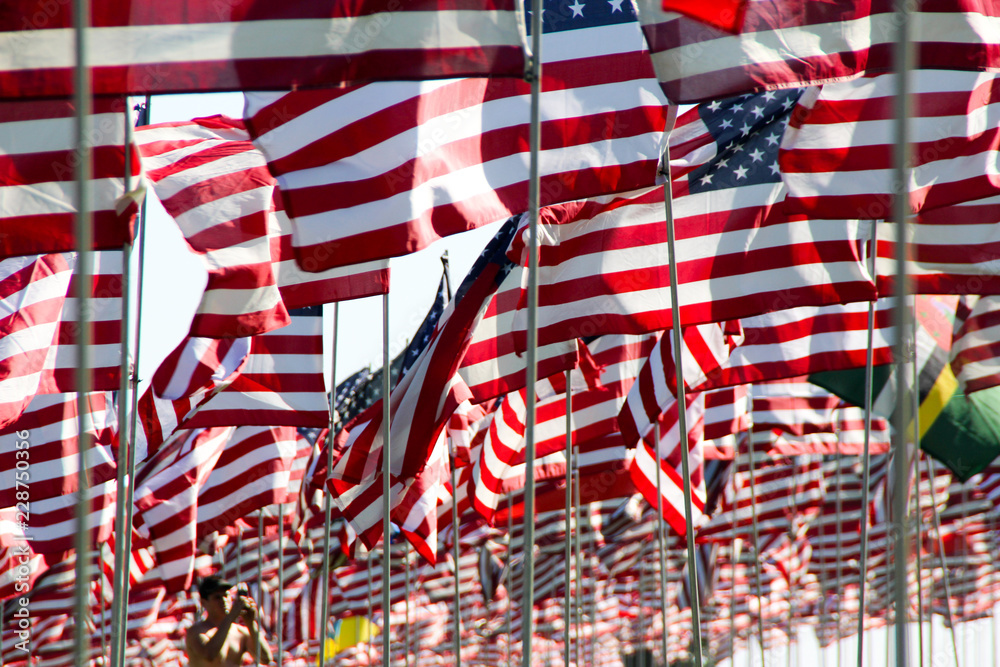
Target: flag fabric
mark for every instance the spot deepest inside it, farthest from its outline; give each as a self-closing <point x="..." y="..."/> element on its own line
<point x="975" y="352"/>
<point x="726" y="15"/>
<point x="166" y="504"/>
<point x="704" y="349"/>
<point x="188" y="46"/>
<point x="836" y="157"/>
<point x="38" y="327"/>
<point x="280" y="384"/>
<point x="198" y="365"/>
<point x="385" y="169"/>
<point x="781" y="44"/>
<point x="961" y="431"/>
<point x="663" y="459"/>
<point x="215" y="184"/>
<point x="38" y="175"/>
<point x="48" y="432"/>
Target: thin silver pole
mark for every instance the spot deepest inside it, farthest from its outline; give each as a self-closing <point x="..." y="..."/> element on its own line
<point x="866" y="460"/>
<point x="280" y="630"/>
<point x="916" y="515"/>
<point x="534" y="77"/>
<point x="641" y="617"/>
<point x="120" y="581"/>
<point x="406" y="604"/>
<point x="578" y="545"/>
<point x="508" y="576"/>
<point x="661" y="543"/>
<point x="901" y="211"/>
<point x="944" y="567"/>
<point x="682" y="411"/>
<point x="84" y="270"/>
<point x="260" y="573"/>
<point x="840" y="550"/>
<point x="386" y="471"/>
<point x="567" y="600"/>
<point x="371" y="616"/>
<point x="327" y="513"/>
<point x="239" y="556"/>
<point x="456" y="553"/>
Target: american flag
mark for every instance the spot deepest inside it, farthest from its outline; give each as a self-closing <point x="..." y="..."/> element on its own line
<point x="216" y="186"/>
<point x="38" y="172"/>
<point x="190" y="46"/>
<point x="385" y="169"/>
<point x="199" y="364"/>
<point x="836" y="157"/>
<point x="783" y="44"/>
<point x="975" y="352"/>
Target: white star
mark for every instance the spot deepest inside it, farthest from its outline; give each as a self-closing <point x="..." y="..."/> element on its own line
<point x="788" y="103"/>
<point x="706" y="179"/>
<point x="737" y="148"/>
<point x="714" y="106"/>
<point x="724" y="162"/>
<point x="757" y="112"/>
<point x="745" y="129"/>
<point x="741" y="172"/>
<point x="736" y="107"/>
<point x="616" y="5"/>
<point x="775" y="169"/>
<point x="577" y="9"/>
<point x="769" y="96"/>
<point x="757" y="155"/>
<point x="772" y="139"/>
<point x="726" y="123"/>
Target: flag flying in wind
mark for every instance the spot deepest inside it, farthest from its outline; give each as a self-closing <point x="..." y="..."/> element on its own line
<point x="724" y="14"/>
<point x="975" y="352"/>
<point x="785" y="43"/>
<point x="836" y="156"/>
<point x="385" y="169"/>
<point x="38" y="174"/>
<point x="215" y="184"/>
<point x="193" y="46"/>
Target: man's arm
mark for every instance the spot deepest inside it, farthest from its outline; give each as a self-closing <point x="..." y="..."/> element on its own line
<point x="210" y="650"/>
<point x="249" y="614"/>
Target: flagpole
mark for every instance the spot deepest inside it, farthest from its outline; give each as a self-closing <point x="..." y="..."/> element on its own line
<point x="578" y="546"/>
<point x="371" y="614"/>
<point x="916" y="501"/>
<point x="327" y="508"/>
<point x="901" y="206"/>
<point x="84" y="269"/>
<point x="941" y="555"/>
<point x="386" y="486"/>
<point x="260" y="573"/>
<point x="840" y="550"/>
<point x="641" y="616"/>
<point x="280" y="631"/>
<point x="120" y="583"/>
<point x="661" y="543"/>
<point x="755" y="532"/>
<point x="406" y="604"/>
<point x="682" y="407"/>
<point x="567" y="612"/>
<point x="507" y="574"/>
<point x="534" y="76"/>
<point x="456" y="551"/>
<point x="866" y="458"/>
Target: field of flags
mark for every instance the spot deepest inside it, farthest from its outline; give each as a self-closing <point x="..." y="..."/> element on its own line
<point x="727" y="374"/>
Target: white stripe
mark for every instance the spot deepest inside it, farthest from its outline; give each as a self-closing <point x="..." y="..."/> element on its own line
<point x="298" y="38"/>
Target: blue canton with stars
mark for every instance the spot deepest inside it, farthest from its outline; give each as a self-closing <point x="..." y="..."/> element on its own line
<point x="562" y="15"/>
<point x="747" y="132"/>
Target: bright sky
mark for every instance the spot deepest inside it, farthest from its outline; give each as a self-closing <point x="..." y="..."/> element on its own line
<point x="174" y="276"/>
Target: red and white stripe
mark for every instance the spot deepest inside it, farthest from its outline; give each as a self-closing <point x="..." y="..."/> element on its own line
<point x="384" y="170"/>
<point x="192" y="47"/>
<point x="780" y="45"/>
<point x="975" y="352"/>
<point x="491" y="366"/>
<point x="199" y="364"/>
<point x="836" y="156"/>
<point x="38" y="172"/>
<point x="166" y="505"/>
<point x="727" y="416"/>
<point x="281" y="383"/>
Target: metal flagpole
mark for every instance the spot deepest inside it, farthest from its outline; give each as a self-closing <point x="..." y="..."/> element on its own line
<point x="682" y="409"/>
<point x="371" y="615"/>
<point x="661" y="542"/>
<point x="386" y="470"/>
<point x="916" y="515"/>
<point x="901" y="210"/>
<point x="641" y="617"/>
<point x="84" y="269"/>
<point x="755" y="534"/>
<point x="406" y="604"/>
<point x="866" y="459"/>
<point x="578" y="545"/>
<point x="534" y="77"/>
<point x="239" y="556"/>
<point x="120" y="581"/>
<point x="507" y="573"/>
<point x="567" y="612"/>
<point x="840" y="550"/>
<point x="456" y="534"/>
<point x="941" y="557"/>
<point x="791" y="570"/>
<point x="260" y="572"/>
<point x="280" y="631"/>
<point x="327" y="502"/>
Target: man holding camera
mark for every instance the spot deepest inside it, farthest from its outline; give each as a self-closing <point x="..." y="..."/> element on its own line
<point x="218" y="641"/>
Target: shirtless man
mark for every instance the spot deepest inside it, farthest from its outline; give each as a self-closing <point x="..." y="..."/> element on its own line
<point x="218" y="641"/>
